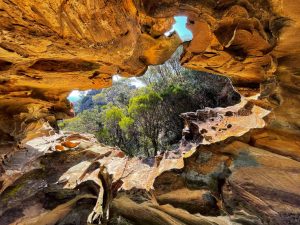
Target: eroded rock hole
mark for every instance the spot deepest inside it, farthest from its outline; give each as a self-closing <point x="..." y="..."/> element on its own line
<point x="5" y="65"/>
<point x="142" y="115"/>
<point x="180" y="28"/>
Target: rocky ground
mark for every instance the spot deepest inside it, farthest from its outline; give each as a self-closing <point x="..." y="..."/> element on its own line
<point x="71" y="178"/>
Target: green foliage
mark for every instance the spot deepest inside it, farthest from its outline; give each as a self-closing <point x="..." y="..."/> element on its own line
<point x="125" y="123"/>
<point x="111" y="114"/>
<point x="86" y="121"/>
<point x="119" y="94"/>
<point x="145" y="108"/>
<point x="147" y="99"/>
<point x="99" y="98"/>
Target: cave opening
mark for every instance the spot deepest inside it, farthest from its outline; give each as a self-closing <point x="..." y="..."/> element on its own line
<point x="142" y="115"/>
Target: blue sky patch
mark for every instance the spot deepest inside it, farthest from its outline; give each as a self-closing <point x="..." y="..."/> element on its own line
<point x="180" y="27"/>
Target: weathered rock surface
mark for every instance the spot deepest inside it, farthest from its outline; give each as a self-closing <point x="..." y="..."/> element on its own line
<point x="194" y="201"/>
<point x="48" y="48"/>
<point x="213" y="125"/>
<point x="264" y="183"/>
<point x="222" y="182"/>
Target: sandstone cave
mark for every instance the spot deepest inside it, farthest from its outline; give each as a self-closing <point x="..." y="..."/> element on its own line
<point x="237" y="158"/>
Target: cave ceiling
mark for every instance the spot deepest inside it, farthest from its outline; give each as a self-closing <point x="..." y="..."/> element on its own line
<point x="49" y="48"/>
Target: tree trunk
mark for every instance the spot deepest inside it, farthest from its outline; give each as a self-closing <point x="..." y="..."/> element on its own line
<point x="155" y="146"/>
